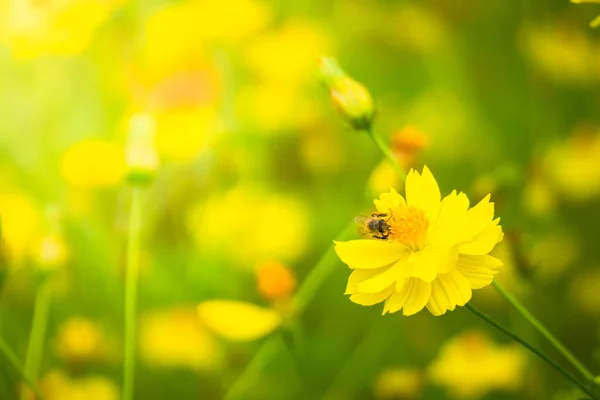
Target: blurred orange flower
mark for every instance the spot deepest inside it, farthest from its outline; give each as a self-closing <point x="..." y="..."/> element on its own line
<point x="275" y="281"/>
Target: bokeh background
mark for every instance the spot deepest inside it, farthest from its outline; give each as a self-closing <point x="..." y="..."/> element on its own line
<point x="259" y="174"/>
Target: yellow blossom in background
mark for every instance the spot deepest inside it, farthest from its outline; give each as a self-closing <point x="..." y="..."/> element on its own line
<point x="20" y="219"/>
<point x="79" y="340"/>
<point x="275" y="281"/>
<point x="539" y="197"/>
<point x="50" y="252"/>
<point x="278" y="100"/>
<point x="382" y="178"/>
<point x="179" y="36"/>
<point x="561" y="52"/>
<point x="322" y="151"/>
<point x="237" y="320"/>
<point x="398" y="383"/>
<point x="573" y="167"/>
<point x="173" y="338"/>
<point x="249" y="225"/>
<point x="584" y="291"/>
<point x="552" y="254"/>
<point x="269" y="56"/>
<point x="32" y="28"/>
<point x="435" y="254"/>
<point x="471" y="365"/>
<point x="416" y="27"/>
<point x="93" y="163"/>
<point x="182" y="134"/>
<point x="57" y="385"/>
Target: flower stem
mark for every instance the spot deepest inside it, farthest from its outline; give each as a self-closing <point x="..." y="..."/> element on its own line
<point x="315" y="279"/>
<point x="14" y="362"/>
<point x="545" y="332"/>
<point x="541" y="355"/>
<point x="131" y="278"/>
<point x="385" y="149"/>
<point x="35" y="348"/>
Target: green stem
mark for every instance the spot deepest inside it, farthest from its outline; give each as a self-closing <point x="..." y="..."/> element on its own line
<point x="14" y="362"/>
<point x="35" y="348"/>
<point x="267" y="351"/>
<point x="385" y="149"/>
<point x="131" y="278"/>
<point x="315" y="279"/>
<point x="541" y="355"/>
<point x="545" y="332"/>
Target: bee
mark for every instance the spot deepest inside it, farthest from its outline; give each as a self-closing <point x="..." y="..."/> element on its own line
<point x="376" y="225"/>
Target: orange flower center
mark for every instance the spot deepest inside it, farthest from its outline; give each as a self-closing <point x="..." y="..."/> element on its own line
<point x="409" y="226"/>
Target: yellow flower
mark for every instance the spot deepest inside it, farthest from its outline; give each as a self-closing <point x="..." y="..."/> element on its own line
<point x="266" y="226"/>
<point x="33" y="28"/>
<point x="19" y="220"/>
<point x="80" y="339"/>
<point x="93" y="163"/>
<point x="435" y="254"/>
<point x="194" y="347"/>
<point x="56" y="385"/>
<point x="398" y="383"/>
<point x="470" y="365"/>
<point x="237" y="320"/>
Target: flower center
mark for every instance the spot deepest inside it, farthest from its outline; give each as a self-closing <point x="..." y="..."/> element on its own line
<point x="409" y="226"/>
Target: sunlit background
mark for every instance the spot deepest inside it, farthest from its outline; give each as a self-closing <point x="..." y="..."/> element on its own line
<point x="259" y="175"/>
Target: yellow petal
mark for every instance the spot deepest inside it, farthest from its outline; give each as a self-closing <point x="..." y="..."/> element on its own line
<point x="485" y="241"/>
<point x="448" y="291"/>
<point x="411" y="298"/>
<point x="368" y="254"/>
<point x="360" y="275"/>
<point x="433" y="260"/>
<point x="389" y="201"/>
<point x="368" y="299"/>
<point x="236" y="320"/>
<point x="479" y="270"/>
<point x="449" y="226"/>
<point x="422" y="191"/>
<point x="381" y="281"/>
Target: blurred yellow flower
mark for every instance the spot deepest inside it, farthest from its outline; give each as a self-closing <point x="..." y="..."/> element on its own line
<point x="407" y="143"/>
<point x="182" y="134"/>
<point x="275" y="281"/>
<point x="398" y="383"/>
<point x="20" y="219"/>
<point x="93" y="163"/>
<point x="434" y="252"/>
<point x="539" y="197"/>
<point x="80" y="340"/>
<point x="562" y="53"/>
<point x="553" y="254"/>
<point x="417" y="27"/>
<point x="271" y="59"/>
<point x="382" y="178"/>
<point x="321" y="150"/>
<point x="51" y="252"/>
<point x="573" y="167"/>
<point x="32" y="28"/>
<point x="178" y="36"/>
<point x="470" y="365"/>
<point x="265" y="226"/>
<point x="174" y="338"/>
<point x="56" y="385"/>
<point x="584" y="291"/>
<point x="237" y="320"/>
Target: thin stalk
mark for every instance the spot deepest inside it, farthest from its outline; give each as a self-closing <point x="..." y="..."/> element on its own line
<point x="545" y="332"/>
<point x="541" y="355"/>
<point x="131" y="279"/>
<point x="12" y="359"/>
<point x="385" y="149"/>
<point x="35" y="348"/>
<point x="306" y="292"/>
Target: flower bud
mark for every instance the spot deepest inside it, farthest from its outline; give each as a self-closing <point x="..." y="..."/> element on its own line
<point x="140" y="152"/>
<point x="352" y="100"/>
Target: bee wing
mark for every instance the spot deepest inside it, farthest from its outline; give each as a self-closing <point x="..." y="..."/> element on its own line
<point x="361" y="225"/>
